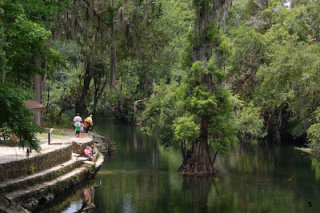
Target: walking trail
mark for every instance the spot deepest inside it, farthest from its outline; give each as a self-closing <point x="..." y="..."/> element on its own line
<point x="60" y="138"/>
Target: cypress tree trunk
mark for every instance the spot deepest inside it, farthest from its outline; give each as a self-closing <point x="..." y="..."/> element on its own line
<point x="2" y="57"/>
<point x="113" y="62"/>
<point x="3" y="71"/>
<point x="113" y="59"/>
<point x="38" y="86"/>
<point x="81" y="106"/>
<point x="200" y="162"/>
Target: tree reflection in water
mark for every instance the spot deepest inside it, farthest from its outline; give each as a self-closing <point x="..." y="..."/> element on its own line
<point x="142" y="178"/>
<point x="198" y="187"/>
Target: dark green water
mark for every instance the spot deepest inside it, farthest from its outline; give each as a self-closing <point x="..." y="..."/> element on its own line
<point x="142" y="178"/>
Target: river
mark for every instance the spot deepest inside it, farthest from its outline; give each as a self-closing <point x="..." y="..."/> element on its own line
<point x="141" y="177"/>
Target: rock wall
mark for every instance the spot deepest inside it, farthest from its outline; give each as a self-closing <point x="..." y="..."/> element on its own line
<point x="105" y="145"/>
<point x="79" y="148"/>
<point x="34" y="164"/>
<point x="9" y="206"/>
<point x="48" y="193"/>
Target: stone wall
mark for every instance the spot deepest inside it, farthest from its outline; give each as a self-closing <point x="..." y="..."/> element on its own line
<point x="79" y="148"/>
<point x="10" y="206"/>
<point x="58" y="188"/>
<point x="105" y="145"/>
<point x="39" y="179"/>
<point x="32" y="199"/>
<point x="34" y="164"/>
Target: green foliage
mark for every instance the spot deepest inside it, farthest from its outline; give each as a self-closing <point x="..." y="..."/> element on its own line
<point x="62" y="90"/>
<point x="148" y="39"/>
<point x="178" y="108"/>
<point x="163" y="107"/>
<point x="251" y="8"/>
<point x="248" y="49"/>
<point x="15" y="118"/>
<point x="185" y="128"/>
<point x="24" y="36"/>
<point x="43" y="11"/>
<point x="274" y="63"/>
<point x="268" y="54"/>
<point x="314" y="130"/>
<point x="24" y="40"/>
<point x="201" y="101"/>
<point x="187" y="53"/>
<point x="313" y="11"/>
<point x="248" y="124"/>
<point x="201" y="3"/>
<point x="23" y="46"/>
<point x="281" y="82"/>
<point x="212" y="33"/>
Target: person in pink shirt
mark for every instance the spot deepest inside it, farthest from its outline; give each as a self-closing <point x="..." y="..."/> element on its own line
<point x="88" y="153"/>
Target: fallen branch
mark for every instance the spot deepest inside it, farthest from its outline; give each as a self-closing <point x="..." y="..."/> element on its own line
<point x="135" y="104"/>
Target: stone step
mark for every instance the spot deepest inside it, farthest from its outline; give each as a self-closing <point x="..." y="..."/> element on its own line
<point x="61" y="182"/>
<point x="49" y="156"/>
<point x="64" y="181"/>
<point x="45" y="175"/>
<point x="100" y="160"/>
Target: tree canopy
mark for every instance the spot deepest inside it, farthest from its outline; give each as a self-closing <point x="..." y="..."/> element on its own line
<point x="186" y="70"/>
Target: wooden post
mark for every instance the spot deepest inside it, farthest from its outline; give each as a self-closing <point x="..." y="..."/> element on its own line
<point x="49" y="135"/>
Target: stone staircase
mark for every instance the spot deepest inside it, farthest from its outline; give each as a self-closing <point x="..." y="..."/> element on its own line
<point x="45" y="175"/>
<point x="43" y="186"/>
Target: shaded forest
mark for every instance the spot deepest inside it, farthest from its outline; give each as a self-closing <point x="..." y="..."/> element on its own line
<point x="198" y="73"/>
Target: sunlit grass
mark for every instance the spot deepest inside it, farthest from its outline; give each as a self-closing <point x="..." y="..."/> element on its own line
<point x="57" y="133"/>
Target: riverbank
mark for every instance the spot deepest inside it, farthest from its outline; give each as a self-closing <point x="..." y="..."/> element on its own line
<point x="59" y="166"/>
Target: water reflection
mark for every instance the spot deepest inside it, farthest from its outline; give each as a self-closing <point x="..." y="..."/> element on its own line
<point x="142" y="177"/>
<point x="198" y="189"/>
<point x="79" y="199"/>
<point x="316" y="167"/>
<point x="87" y="200"/>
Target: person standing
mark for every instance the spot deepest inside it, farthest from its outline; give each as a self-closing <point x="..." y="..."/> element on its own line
<point x="76" y="119"/>
<point x="88" y="124"/>
<point x="77" y="129"/>
<point x="81" y="129"/>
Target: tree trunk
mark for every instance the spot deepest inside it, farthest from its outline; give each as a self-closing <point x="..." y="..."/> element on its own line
<point x="3" y="68"/>
<point x="199" y="161"/>
<point x="215" y="157"/>
<point x="48" y="102"/>
<point x="135" y="106"/>
<point x="113" y="59"/>
<point x="81" y="106"/>
<point x="113" y="62"/>
<point x="38" y="86"/>
<point x="100" y="81"/>
<point x="99" y="88"/>
<point x="3" y="57"/>
<point x="3" y="71"/>
<point x="37" y="90"/>
<point x="95" y="102"/>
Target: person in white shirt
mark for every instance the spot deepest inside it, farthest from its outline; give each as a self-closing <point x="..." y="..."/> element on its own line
<point x="76" y="119"/>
